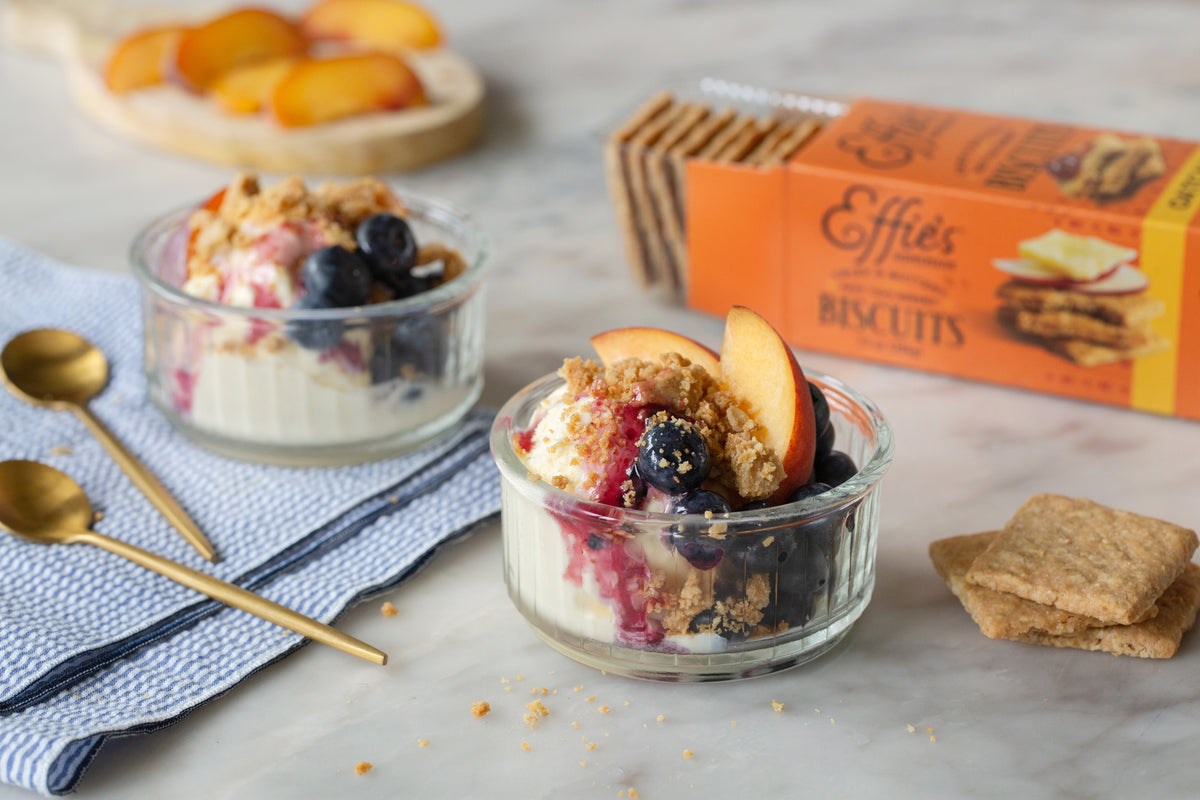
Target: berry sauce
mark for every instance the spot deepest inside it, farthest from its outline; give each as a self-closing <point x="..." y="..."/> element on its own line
<point x="622" y="576"/>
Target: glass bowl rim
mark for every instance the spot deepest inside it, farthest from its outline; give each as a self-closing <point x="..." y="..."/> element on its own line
<point x="513" y="470"/>
<point x="438" y="212"/>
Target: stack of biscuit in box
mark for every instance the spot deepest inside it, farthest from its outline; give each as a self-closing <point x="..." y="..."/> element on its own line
<point x="1072" y="573"/>
<point x="645" y="161"/>
<point x="1089" y="329"/>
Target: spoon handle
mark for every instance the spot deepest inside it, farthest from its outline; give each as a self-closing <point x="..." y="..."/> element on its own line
<point x="155" y="492"/>
<point x="234" y="596"/>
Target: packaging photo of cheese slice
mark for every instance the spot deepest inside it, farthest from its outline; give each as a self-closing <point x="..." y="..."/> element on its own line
<point x="1046" y="256"/>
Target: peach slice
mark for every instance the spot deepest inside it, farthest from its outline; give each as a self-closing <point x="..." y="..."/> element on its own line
<point x="649" y="344"/>
<point x="233" y="40"/>
<point x="247" y="89"/>
<point x="320" y="90"/>
<point x="137" y="60"/>
<point x="759" y="367"/>
<point x="374" y="23"/>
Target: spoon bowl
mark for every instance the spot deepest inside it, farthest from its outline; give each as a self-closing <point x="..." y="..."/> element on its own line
<point x="40" y="504"/>
<point x="61" y="370"/>
<point x="54" y="368"/>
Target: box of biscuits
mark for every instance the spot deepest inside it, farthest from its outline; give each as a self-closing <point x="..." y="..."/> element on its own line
<point x="1047" y="256"/>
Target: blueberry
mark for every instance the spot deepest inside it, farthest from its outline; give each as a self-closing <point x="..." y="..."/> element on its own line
<point x="391" y="250"/>
<point x="808" y="490"/>
<point x="699" y="501"/>
<point x="673" y="457"/>
<point x="765" y="553"/>
<point x="820" y="406"/>
<point x="338" y="276"/>
<point x="596" y="542"/>
<point x="825" y="439"/>
<point x="701" y="555"/>
<point x="416" y="346"/>
<point x="634" y="493"/>
<point x="314" y="334"/>
<point x="808" y="569"/>
<point x="707" y="621"/>
<point x="835" y="468"/>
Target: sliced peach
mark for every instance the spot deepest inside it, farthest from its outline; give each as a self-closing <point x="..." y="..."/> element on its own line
<point x="238" y="38"/>
<point x="137" y="60"/>
<point x="247" y="89"/>
<point x="759" y="367"/>
<point x="374" y="23"/>
<point x="649" y="344"/>
<point x="320" y="90"/>
<point x="212" y="204"/>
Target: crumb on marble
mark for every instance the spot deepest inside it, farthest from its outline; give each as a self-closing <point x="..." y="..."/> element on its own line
<point x="662" y="718"/>
<point x="911" y="729"/>
<point x="363" y="767"/>
<point x="778" y="706"/>
<point x="388" y="610"/>
<point x="687" y="754"/>
<point x="422" y="742"/>
<point x="525" y="746"/>
<point x="480" y="708"/>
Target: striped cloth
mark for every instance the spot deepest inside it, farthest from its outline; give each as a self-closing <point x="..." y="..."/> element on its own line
<point x="94" y="645"/>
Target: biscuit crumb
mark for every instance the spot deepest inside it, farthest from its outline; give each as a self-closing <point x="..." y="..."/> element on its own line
<point x="579" y="688"/>
<point x="520" y="677"/>
<point x="932" y="738"/>
<point x="525" y="746"/>
<point x="574" y="724"/>
<point x="778" y="706"/>
<point x="480" y="708"/>
<point x="733" y="722"/>
<point x="61" y="451"/>
<point x="590" y="699"/>
<point x="590" y="745"/>
<point x="688" y="754"/>
<point x="504" y="680"/>
<point x="633" y="793"/>
<point x="911" y="729"/>
<point x="542" y="690"/>
<point x="422" y="742"/>
<point x="388" y="610"/>
<point x="363" y="767"/>
<point x="393" y="499"/>
<point x="626" y="702"/>
<point x="604" y="709"/>
<point x="661" y="718"/>
<point x="508" y="688"/>
<point x="929" y="730"/>
<point x="96" y="517"/>
<point x="583" y="763"/>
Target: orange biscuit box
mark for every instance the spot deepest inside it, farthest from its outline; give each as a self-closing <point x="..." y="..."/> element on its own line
<point x="1045" y="256"/>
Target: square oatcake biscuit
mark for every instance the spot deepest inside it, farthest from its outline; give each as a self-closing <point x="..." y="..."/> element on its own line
<point x="1154" y="638"/>
<point x="1082" y="557"/>
<point x="1087" y="354"/>
<point x="1127" y="310"/>
<point x="1073" y="325"/>
<point x="998" y="614"/>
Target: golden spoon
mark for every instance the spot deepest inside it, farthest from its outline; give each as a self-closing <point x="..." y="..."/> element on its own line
<point x="60" y="370"/>
<point x="40" y="504"/>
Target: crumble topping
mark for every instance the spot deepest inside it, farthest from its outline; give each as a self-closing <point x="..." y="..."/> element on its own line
<point x="247" y="209"/>
<point x="363" y="767"/>
<point x="742" y="464"/>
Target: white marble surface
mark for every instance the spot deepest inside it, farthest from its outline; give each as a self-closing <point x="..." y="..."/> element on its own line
<point x="1010" y="720"/>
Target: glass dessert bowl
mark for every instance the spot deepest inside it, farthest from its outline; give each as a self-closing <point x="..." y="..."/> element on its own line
<point x="673" y="596"/>
<point x="251" y="365"/>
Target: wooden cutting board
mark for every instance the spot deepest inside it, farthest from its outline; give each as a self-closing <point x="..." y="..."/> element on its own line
<point x="81" y="33"/>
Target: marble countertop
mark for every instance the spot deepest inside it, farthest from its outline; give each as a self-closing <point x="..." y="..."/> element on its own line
<point x="1007" y="720"/>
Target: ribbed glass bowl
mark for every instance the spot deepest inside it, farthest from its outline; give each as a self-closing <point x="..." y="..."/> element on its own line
<point x="689" y="598"/>
<point x="237" y="380"/>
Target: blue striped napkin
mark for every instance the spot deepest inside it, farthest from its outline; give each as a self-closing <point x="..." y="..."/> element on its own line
<point x="135" y="650"/>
